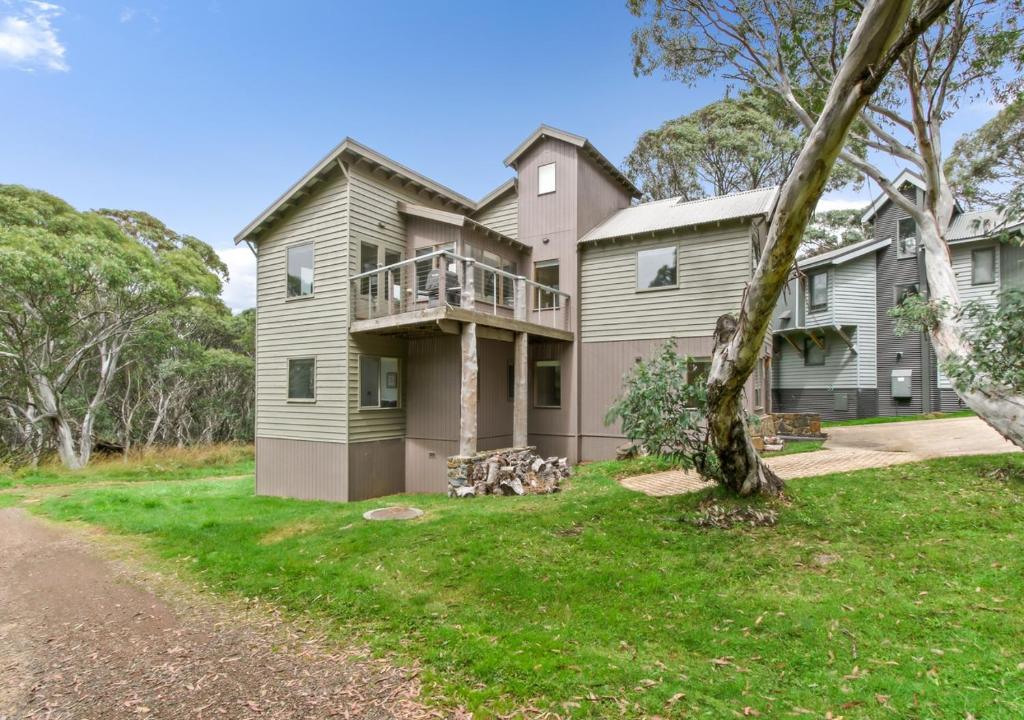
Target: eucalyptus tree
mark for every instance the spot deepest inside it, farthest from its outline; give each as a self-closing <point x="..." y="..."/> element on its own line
<point x="826" y="60"/>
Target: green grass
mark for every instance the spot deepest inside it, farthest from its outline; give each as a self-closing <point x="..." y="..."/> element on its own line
<point x="898" y="418"/>
<point x="795" y="447"/>
<point x="883" y="593"/>
<point x="160" y="464"/>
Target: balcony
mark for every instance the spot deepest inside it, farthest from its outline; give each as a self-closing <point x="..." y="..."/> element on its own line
<point x="423" y="294"/>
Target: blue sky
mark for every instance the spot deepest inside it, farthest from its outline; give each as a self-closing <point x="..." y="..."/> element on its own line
<point x="203" y="112"/>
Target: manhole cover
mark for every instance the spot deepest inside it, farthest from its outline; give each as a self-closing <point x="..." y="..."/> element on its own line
<point x="393" y="513"/>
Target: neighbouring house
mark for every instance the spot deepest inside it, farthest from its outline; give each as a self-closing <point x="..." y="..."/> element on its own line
<point x="836" y="352"/>
<point x="400" y="323"/>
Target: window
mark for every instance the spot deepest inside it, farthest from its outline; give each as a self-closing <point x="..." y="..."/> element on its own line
<point x="508" y="285"/>
<point x="813" y="353"/>
<point x="301" y="379"/>
<point x="656" y="268"/>
<point x="697" y="370"/>
<point x="546" y="273"/>
<point x="757" y="386"/>
<point x="983" y="266"/>
<point x="547" y="384"/>
<point x="393" y="257"/>
<point x="379" y="382"/>
<point x="546" y="179"/>
<point x="906" y="238"/>
<point x="368" y="262"/>
<point x="818" y="288"/>
<point x="903" y="291"/>
<point x="300" y="270"/>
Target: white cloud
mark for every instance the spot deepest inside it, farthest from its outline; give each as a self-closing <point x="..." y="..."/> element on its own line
<point x="28" y="39"/>
<point x="839" y="203"/>
<point x="240" y="291"/>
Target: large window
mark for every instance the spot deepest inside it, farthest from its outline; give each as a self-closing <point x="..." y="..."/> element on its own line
<point x="983" y="266"/>
<point x="656" y="268"/>
<point x="546" y="179"/>
<point x="380" y="383"/>
<point x="547" y="384"/>
<point x="300" y="270"/>
<point x="906" y="238"/>
<point x="302" y="379"/>
<point x="818" y="288"/>
<point x="814" y="354"/>
<point x="545" y="272"/>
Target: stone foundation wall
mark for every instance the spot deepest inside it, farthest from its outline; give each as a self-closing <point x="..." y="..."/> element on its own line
<point x="508" y="471"/>
<point x="797" y="424"/>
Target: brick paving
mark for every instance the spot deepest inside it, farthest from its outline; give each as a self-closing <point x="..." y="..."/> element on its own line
<point x="855" y="447"/>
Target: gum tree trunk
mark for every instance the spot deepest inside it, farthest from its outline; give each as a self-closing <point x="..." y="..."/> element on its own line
<point x="739" y="340"/>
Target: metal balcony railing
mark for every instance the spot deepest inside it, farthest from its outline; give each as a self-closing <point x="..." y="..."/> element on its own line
<point x="442" y="278"/>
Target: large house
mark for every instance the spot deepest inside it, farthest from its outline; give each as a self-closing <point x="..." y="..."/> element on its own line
<point x="836" y="351"/>
<point x="401" y="322"/>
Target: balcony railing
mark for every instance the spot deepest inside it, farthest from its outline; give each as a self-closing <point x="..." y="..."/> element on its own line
<point x="442" y="278"/>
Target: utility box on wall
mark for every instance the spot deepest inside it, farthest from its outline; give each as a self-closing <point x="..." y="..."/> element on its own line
<point x="901" y="383"/>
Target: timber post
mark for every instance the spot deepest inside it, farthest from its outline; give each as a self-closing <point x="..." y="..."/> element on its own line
<point x="520" y="437"/>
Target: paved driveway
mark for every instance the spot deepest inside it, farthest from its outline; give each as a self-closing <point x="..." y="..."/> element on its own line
<point x="856" y="447"/>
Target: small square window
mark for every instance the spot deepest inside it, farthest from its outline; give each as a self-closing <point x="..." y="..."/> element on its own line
<point x="983" y="266"/>
<point x="818" y="286"/>
<point x="906" y="238"/>
<point x="656" y="268"/>
<point x="301" y="379"/>
<point x="546" y="179"/>
<point x="813" y="354"/>
<point x="903" y="291"/>
<point x="300" y="270"/>
<point x="547" y="384"/>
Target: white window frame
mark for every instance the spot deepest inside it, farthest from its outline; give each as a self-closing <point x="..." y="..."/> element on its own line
<point x="380" y="381"/>
<point x="287" y="262"/>
<point x="547" y="363"/>
<point x="974" y="267"/>
<point x="547" y="183"/>
<point x="636" y="271"/>
<point x="288" y="380"/>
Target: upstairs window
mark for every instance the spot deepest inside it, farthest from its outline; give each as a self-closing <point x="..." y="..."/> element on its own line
<point x="983" y="266"/>
<point x="545" y="272"/>
<point x="302" y="379"/>
<point x="656" y="268"/>
<point x="300" y="270"/>
<point x="906" y="238"/>
<point x="379" y="382"/>
<point x="547" y="384"/>
<point x="546" y="179"/>
<point x="818" y="289"/>
<point x="368" y="262"/>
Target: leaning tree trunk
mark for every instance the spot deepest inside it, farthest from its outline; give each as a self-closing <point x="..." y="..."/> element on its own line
<point x="871" y="52"/>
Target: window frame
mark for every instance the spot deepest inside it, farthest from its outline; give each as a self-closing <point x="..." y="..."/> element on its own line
<point x="288" y="379"/>
<point x="380" y="382"/>
<point x="991" y="250"/>
<point x="556" y="301"/>
<point x="808" y="343"/>
<point x="900" y="253"/>
<point x="537" y="364"/>
<point x="636" y="270"/>
<point x="287" y="275"/>
<point x="554" y="179"/>
<point x="899" y="288"/>
<point x="811" y="307"/>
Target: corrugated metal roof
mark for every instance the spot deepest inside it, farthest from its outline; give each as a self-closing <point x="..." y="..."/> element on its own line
<point x="844" y="254"/>
<point x="674" y="213"/>
<point x="977" y="223"/>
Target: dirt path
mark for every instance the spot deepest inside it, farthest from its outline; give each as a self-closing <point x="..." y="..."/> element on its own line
<point x="81" y="637"/>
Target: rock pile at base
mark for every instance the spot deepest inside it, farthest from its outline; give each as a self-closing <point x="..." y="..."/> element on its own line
<point x="510" y="471"/>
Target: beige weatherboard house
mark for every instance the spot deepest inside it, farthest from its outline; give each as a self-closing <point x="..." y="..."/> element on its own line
<point x="400" y="322"/>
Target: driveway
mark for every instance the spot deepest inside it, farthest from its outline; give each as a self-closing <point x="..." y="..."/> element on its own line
<point x="856" y="447"/>
<point x="82" y="636"/>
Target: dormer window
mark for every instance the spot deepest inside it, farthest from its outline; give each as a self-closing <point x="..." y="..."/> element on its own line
<point x="546" y="179"/>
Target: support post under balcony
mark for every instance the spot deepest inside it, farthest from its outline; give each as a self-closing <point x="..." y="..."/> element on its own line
<point x="520" y="438"/>
<point x="468" y="395"/>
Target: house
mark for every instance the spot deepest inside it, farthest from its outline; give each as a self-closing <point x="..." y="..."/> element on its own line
<point x="400" y="323"/>
<point x="835" y="348"/>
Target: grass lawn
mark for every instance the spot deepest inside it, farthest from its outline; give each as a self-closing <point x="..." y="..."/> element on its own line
<point x="159" y="464"/>
<point x="795" y="447"/>
<point x="898" y="418"/>
<point x="883" y="593"/>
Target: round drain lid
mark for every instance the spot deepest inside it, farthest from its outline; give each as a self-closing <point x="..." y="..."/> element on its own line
<point x="395" y="512"/>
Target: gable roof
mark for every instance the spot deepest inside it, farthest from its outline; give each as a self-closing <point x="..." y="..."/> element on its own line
<point x="546" y="131"/>
<point x="674" y="213"/>
<point x="496" y="193"/>
<point x="905" y="176"/>
<point x="352" y="150"/>
<point x="844" y="254"/>
<point x="429" y="213"/>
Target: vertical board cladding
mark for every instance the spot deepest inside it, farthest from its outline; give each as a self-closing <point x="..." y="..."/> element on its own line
<point x="422" y="233"/>
<point x="859" y="402"/>
<point x="376" y="468"/>
<point x="501" y="214"/>
<point x="599" y="195"/>
<point x="553" y="430"/>
<point x="309" y="326"/>
<point x="302" y="469"/>
<point x="714" y="265"/>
